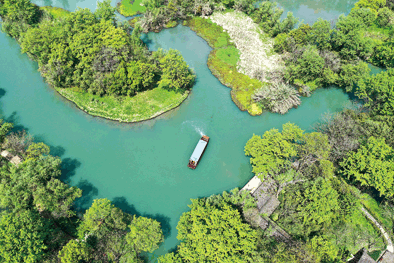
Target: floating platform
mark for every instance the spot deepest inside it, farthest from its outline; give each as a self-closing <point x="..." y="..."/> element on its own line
<point x="198" y="152"/>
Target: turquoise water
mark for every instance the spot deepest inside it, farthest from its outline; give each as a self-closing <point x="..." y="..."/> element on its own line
<point x="310" y="10"/>
<point x="142" y="167"/>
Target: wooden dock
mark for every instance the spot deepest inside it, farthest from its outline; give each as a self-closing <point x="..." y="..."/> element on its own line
<point x="15" y="160"/>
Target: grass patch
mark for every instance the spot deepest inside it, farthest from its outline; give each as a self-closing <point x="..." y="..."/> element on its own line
<point x="143" y="106"/>
<point x="376" y="211"/>
<point x="171" y="24"/>
<point x="131" y="7"/>
<point x="222" y="62"/>
<point x="361" y="232"/>
<point x="211" y="32"/>
<point x="229" y="55"/>
<point x="55" y="12"/>
<point x="375" y="254"/>
<point x="243" y="87"/>
<point x="133" y="21"/>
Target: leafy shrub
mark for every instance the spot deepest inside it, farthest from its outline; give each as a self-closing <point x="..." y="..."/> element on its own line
<point x="385" y="17"/>
<point x="277" y="97"/>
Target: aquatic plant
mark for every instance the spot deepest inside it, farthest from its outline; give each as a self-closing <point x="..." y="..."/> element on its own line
<point x="257" y="58"/>
<point x="17" y="142"/>
<point x="277" y="97"/>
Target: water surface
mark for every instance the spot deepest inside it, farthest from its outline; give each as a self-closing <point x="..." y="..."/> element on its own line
<point x="142" y="167"/>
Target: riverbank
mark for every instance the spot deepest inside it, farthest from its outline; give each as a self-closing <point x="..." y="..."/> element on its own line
<point x="222" y="62"/>
<point x="143" y="106"/>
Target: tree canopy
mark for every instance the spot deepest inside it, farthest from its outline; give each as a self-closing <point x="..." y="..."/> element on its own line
<point x="213" y="232"/>
<point x="372" y="165"/>
<point x="23" y="236"/>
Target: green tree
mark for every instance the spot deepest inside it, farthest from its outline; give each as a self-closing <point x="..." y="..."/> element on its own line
<point x="384" y="55"/>
<point x="272" y="153"/>
<point x="102" y="217"/>
<point x="170" y="258"/>
<point x="348" y="39"/>
<point x="141" y="76"/>
<point x="19" y="11"/>
<point x="145" y="234"/>
<point x="176" y="73"/>
<point x="37" y="41"/>
<point x="314" y="148"/>
<point x="105" y="10"/>
<point x="364" y="15"/>
<point x="5" y="128"/>
<point x="323" y="249"/>
<point x="372" y="165"/>
<point x="23" y="237"/>
<point x="318" y="205"/>
<point x="385" y="17"/>
<point x="374" y="5"/>
<point x="309" y="67"/>
<point x="351" y="74"/>
<point x="267" y="15"/>
<point x="114" y="235"/>
<point x="35" y="183"/>
<point x="214" y="233"/>
<point x="378" y="91"/>
<point x="321" y="34"/>
<point x="75" y="251"/>
<point x="37" y="149"/>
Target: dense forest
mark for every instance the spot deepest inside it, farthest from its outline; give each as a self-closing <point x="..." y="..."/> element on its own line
<point x="92" y="52"/>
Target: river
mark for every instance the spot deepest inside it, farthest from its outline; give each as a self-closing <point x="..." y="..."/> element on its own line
<point x="142" y="167"/>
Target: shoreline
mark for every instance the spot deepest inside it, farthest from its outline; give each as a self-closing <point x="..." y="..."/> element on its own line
<point x="82" y="107"/>
<point x="253" y="109"/>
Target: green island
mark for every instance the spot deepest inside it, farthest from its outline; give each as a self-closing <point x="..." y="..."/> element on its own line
<point x="324" y="195"/>
<point x="115" y="77"/>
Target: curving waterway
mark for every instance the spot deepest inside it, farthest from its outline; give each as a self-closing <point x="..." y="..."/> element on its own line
<point x="142" y="167"/>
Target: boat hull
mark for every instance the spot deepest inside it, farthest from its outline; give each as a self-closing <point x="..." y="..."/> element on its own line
<point x="193" y="163"/>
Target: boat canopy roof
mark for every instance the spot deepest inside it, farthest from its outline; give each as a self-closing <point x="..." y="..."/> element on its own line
<point x="198" y="150"/>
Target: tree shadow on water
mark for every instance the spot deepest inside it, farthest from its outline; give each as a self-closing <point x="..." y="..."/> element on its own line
<point x="89" y="192"/>
<point x="122" y="203"/>
<point x="68" y="168"/>
<point x="14" y="119"/>
<point x="2" y="92"/>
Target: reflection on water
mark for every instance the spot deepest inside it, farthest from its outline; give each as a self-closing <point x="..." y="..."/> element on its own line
<point x="310" y="11"/>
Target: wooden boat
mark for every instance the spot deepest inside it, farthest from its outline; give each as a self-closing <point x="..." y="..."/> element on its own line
<point x="198" y="152"/>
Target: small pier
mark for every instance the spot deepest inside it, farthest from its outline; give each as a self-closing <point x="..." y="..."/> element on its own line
<point x="15" y="160"/>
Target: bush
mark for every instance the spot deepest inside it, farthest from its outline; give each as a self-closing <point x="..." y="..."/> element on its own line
<point x="277" y="98"/>
<point x="366" y="15"/>
<point x="385" y="17"/>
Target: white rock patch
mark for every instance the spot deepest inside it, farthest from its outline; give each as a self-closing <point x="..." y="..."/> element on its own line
<point x="257" y="58"/>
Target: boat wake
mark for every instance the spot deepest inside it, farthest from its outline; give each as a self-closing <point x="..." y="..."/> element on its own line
<point x="194" y="125"/>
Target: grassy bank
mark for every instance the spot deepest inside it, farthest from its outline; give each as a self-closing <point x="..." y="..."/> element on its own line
<point x="143" y="106"/>
<point x="222" y="62"/>
<point x="55" y="12"/>
<point x="131" y="7"/>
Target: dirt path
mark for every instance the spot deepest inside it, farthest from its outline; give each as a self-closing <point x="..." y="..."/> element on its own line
<point x="385" y="234"/>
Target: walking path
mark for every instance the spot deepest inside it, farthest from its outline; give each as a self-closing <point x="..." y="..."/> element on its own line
<point x="390" y="246"/>
<point x="266" y="203"/>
